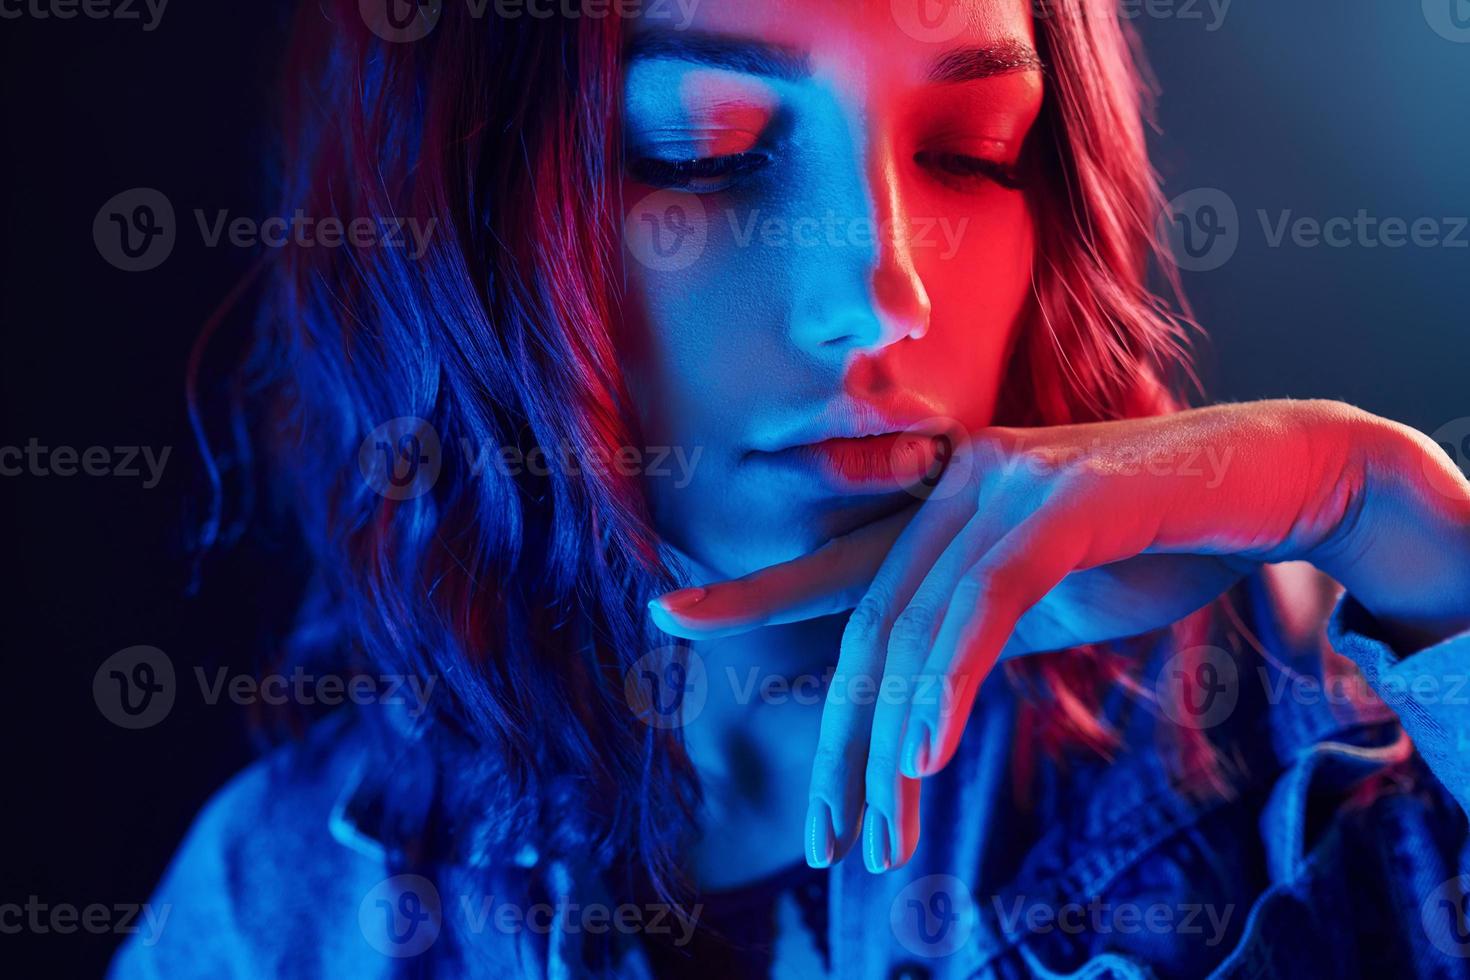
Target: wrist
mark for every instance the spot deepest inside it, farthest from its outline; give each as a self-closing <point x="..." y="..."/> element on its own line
<point x="1403" y="547"/>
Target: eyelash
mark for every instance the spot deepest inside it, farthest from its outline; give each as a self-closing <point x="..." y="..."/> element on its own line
<point x="719" y="172"/>
<point x="708" y="175"/>
<point x="964" y="170"/>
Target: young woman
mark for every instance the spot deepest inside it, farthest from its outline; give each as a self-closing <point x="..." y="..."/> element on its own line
<point x="775" y="465"/>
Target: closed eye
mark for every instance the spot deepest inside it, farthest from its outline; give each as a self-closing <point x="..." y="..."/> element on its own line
<point x="965" y="172"/>
<point x="698" y="175"/>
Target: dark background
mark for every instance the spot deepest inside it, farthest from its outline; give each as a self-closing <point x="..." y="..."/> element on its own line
<point x="1323" y="108"/>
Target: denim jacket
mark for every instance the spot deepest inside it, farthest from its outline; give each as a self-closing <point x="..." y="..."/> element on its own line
<point x="1109" y="871"/>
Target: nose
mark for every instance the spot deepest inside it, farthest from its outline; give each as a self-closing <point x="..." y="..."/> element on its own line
<point x="867" y="294"/>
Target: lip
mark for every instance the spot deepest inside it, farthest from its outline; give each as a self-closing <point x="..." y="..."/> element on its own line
<point x="885" y="462"/>
<point x="858" y="447"/>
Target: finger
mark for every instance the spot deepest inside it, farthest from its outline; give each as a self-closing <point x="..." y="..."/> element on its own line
<point x="889" y="842"/>
<point x="850" y="725"/>
<point x="840" y="781"/>
<point x="991" y="596"/>
<point x="899" y="739"/>
<point x="829" y="580"/>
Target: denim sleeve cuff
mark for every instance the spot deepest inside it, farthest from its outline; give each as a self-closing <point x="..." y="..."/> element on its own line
<point x="1429" y="689"/>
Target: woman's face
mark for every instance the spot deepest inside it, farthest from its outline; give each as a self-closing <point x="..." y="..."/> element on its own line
<point x="826" y="240"/>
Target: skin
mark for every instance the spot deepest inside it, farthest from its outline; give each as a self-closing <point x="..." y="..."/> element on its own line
<point x="1031" y="540"/>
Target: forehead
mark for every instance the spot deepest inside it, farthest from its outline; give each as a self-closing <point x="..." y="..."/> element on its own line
<point x="892" y="40"/>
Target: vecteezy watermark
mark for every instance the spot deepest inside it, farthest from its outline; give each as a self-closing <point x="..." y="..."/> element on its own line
<point x="958" y="455"/>
<point x="930" y="21"/>
<point x="405" y="21"/>
<point x="1454" y="438"/>
<point x="1204" y="229"/>
<point x="1352" y="688"/>
<point x="668" y="231"/>
<point x="830" y="232"/>
<point x="1198" y="687"/>
<point x="933" y="916"/>
<point x="148" y="13"/>
<point x="1363" y="230"/>
<point x="1445" y="913"/>
<point x="137" y="688"/>
<point x="403" y="458"/>
<point x="941" y="21"/>
<point x="672" y="462"/>
<point x="134" y="688"/>
<point x="123" y="462"/>
<point x="409" y="235"/>
<point x="575" y="918"/>
<point x="403" y="916"/>
<point x="1450" y="19"/>
<point x="136" y="230"/>
<point x="1209" y="13"/>
<point x="668" y="687"/>
<point x="330" y="690"/>
<point x="144" y="920"/>
<point x="1101" y="918"/>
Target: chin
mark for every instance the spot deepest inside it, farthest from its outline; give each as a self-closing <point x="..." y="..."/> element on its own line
<point x="759" y="538"/>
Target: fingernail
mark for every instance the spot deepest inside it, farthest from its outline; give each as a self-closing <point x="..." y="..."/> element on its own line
<point x="819" y="842"/>
<point x="916" y="751"/>
<point x="681" y="599"/>
<point x="876" y="853"/>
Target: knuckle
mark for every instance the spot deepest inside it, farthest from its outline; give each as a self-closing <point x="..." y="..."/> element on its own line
<point x="865" y="625"/>
<point x="912" y="629"/>
<point x="830" y="766"/>
<point x="980" y="588"/>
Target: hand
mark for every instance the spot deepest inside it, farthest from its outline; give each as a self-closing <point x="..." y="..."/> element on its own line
<point x="1043" y="539"/>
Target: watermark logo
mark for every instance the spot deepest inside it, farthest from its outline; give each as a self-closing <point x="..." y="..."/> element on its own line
<point x="149" y="13"/>
<point x="928" y="461"/>
<point x="933" y="916"/>
<point x="1099" y="917"/>
<point x="1446" y="917"/>
<point x="1450" y="19"/>
<point x="667" y="231"/>
<point x="401" y="21"/>
<point x="667" y="687"/>
<point x="134" y="688"/>
<point x="135" y="230"/>
<point x="1210" y="13"/>
<point x="41" y="918"/>
<point x="930" y="21"/>
<point x="1454" y="438"/>
<point x="1202" y="228"/>
<point x="127" y="462"/>
<point x="401" y="916"/>
<point x="1198" y="687"/>
<point x="401" y="458"/>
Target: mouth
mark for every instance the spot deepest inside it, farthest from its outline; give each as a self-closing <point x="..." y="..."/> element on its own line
<point x="873" y="464"/>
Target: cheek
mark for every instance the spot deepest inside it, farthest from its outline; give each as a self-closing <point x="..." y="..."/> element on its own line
<point x="691" y="342"/>
<point x="978" y="278"/>
<point x="977" y="275"/>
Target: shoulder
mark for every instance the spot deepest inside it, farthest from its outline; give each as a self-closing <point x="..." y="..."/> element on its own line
<point x="260" y="869"/>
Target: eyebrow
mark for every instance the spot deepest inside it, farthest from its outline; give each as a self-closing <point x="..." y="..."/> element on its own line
<point x="753" y="57"/>
<point x="719" y="51"/>
<point x="968" y="64"/>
